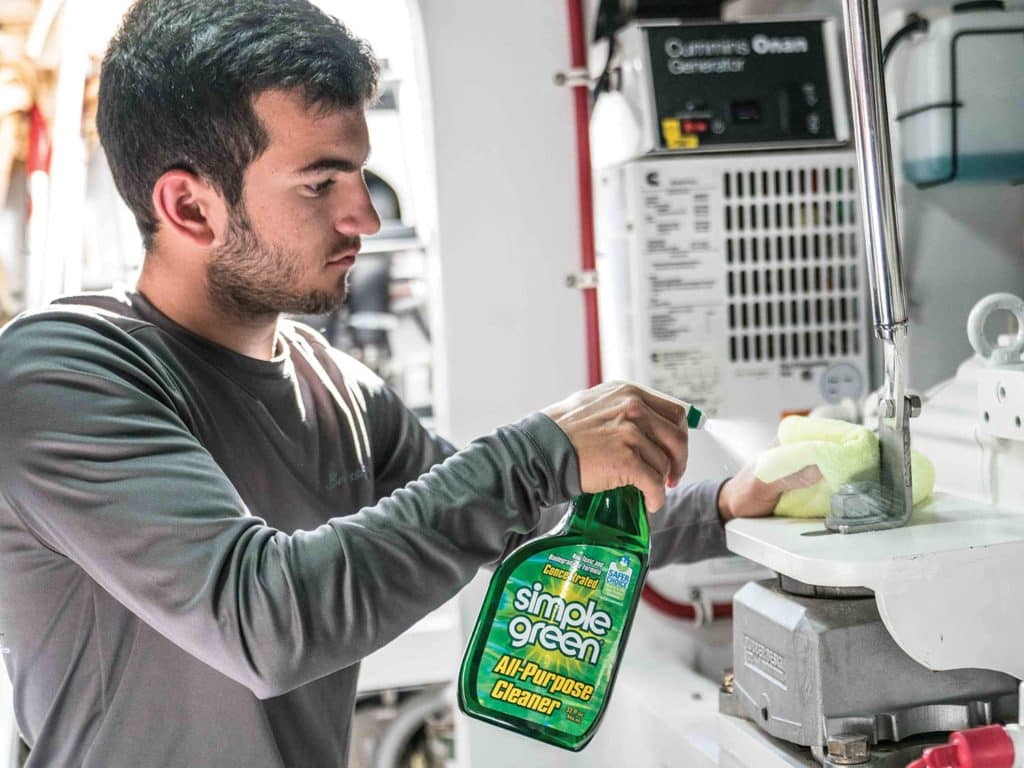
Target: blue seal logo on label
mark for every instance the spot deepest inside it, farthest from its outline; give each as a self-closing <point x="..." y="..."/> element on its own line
<point x="617" y="579"/>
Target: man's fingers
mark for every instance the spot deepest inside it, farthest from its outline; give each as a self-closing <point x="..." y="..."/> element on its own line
<point x="643" y="465"/>
<point x="668" y="407"/>
<point x="670" y="438"/>
<point x="651" y="484"/>
<point x="654" y="457"/>
<point x="803" y="478"/>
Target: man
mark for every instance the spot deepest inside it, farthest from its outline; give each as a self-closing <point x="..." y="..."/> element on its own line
<point x="207" y="515"/>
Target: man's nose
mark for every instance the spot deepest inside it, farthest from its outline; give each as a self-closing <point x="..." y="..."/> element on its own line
<point x="358" y="216"/>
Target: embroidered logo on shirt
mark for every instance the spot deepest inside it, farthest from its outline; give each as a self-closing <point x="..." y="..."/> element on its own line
<point x="336" y="480"/>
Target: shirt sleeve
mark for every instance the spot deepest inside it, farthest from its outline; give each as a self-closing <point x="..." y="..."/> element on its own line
<point x="98" y="462"/>
<point x="689" y="528"/>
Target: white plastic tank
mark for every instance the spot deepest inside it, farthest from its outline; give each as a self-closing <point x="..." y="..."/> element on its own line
<point x="960" y="108"/>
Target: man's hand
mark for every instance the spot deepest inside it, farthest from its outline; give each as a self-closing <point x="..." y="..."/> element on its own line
<point x="746" y="496"/>
<point x="625" y="434"/>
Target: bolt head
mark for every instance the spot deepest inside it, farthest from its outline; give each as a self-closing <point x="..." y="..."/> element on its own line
<point x="914" y="403"/>
<point x="848" y="749"/>
<point x="728" y="682"/>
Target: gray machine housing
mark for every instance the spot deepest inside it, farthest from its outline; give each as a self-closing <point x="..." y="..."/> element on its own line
<point x="809" y="669"/>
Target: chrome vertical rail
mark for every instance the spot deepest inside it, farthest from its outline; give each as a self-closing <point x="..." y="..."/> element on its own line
<point x="874" y="158"/>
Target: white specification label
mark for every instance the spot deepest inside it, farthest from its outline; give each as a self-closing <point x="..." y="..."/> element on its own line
<point x="684" y="283"/>
<point x="683" y="254"/>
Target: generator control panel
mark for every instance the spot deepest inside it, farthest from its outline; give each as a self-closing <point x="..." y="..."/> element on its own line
<point x="730" y="86"/>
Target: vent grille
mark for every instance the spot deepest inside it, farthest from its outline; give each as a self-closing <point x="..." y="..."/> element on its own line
<point x="792" y="264"/>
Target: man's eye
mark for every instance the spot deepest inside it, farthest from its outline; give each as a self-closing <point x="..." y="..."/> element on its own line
<point x="319" y="189"/>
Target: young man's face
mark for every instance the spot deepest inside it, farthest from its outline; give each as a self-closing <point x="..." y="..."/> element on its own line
<point x="305" y="207"/>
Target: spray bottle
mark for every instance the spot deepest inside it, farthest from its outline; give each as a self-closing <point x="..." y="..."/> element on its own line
<point x="546" y="648"/>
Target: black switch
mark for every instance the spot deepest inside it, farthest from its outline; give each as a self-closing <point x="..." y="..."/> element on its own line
<point x="745" y="111"/>
<point x="810" y="94"/>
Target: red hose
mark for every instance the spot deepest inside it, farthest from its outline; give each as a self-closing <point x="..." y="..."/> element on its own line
<point x="688" y="611"/>
<point x="39" y="149"/>
<point x="581" y="103"/>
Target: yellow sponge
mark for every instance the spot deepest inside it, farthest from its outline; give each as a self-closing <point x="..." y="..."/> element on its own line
<point x="842" y="452"/>
<point x="922" y="472"/>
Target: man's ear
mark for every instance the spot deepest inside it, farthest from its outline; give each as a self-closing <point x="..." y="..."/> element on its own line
<point x="190" y="208"/>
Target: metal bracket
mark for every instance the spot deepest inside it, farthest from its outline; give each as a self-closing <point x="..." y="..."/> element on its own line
<point x="867" y="504"/>
<point x="903" y="724"/>
<point x="583" y="280"/>
<point x="577" y="77"/>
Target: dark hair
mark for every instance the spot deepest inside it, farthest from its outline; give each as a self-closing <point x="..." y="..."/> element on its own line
<point x="179" y="78"/>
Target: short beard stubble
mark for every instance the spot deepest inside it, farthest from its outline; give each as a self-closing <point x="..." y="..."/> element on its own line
<point x="249" y="278"/>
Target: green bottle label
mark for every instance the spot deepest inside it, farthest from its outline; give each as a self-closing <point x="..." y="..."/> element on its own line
<point x="552" y="646"/>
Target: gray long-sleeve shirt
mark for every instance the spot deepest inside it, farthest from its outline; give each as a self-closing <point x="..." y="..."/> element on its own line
<point x="197" y="548"/>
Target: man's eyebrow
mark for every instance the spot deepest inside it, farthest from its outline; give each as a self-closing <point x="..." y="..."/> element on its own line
<point x="331" y="163"/>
